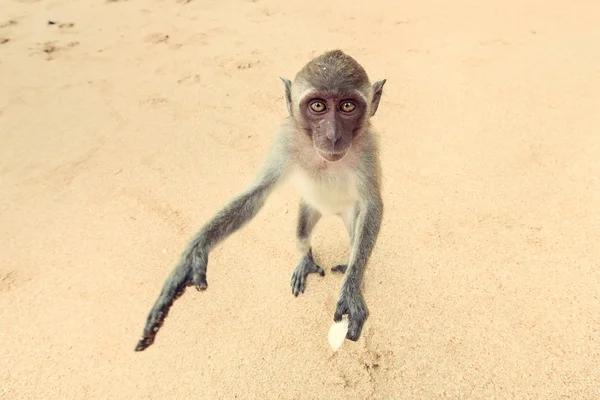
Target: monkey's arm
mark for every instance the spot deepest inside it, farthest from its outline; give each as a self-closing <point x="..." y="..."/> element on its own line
<point x="191" y="269"/>
<point x="351" y="300"/>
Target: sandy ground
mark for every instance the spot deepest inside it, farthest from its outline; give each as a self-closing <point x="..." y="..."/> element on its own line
<point x="126" y="124"/>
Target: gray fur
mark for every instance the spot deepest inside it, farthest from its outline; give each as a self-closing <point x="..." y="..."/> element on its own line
<point x="349" y="188"/>
<point x="307" y="219"/>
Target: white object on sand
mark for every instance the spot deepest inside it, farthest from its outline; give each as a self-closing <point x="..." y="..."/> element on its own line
<point x="337" y="333"/>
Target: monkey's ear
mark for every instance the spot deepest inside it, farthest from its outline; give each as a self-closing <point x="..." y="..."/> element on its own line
<point x="377" y="92"/>
<point x="288" y="94"/>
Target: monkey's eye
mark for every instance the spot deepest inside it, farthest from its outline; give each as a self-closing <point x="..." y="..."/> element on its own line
<point x="347" y="107"/>
<point x="317" y="106"/>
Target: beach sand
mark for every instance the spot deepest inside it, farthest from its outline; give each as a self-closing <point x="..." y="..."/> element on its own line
<point x="125" y="125"/>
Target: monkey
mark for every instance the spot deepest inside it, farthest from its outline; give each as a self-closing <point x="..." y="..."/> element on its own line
<point x="328" y="150"/>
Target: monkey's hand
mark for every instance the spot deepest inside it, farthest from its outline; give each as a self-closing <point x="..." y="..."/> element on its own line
<point x="352" y="303"/>
<point x="191" y="270"/>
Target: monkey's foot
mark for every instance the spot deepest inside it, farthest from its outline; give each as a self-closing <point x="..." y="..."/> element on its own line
<point x="340" y="268"/>
<point x="306" y="266"/>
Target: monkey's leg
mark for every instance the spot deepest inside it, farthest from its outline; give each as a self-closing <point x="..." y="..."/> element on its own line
<point x="349" y="218"/>
<point x="307" y="219"/>
<point x="351" y="301"/>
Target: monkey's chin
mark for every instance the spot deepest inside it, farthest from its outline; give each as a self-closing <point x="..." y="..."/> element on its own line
<point x="331" y="157"/>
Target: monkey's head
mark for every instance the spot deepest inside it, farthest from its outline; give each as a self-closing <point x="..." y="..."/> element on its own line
<point x="331" y="99"/>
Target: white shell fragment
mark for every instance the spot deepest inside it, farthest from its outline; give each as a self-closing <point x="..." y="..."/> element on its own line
<point x="337" y="333"/>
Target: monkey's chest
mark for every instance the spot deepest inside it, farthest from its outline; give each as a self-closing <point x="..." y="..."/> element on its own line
<point x="330" y="193"/>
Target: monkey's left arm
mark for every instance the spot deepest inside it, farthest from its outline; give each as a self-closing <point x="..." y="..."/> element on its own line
<point x="351" y="301"/>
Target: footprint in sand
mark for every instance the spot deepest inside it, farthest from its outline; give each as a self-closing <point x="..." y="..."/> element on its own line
<point x="52" y="48"/>
<point x="8" y="23"/>
<point x="156" y="38"/>
<point x="62" y="25"/>
<point x="12" y="279"/>
<point x="247" y="64"/>
<point x="154" y="101"/>
<point x="190" y="79"/>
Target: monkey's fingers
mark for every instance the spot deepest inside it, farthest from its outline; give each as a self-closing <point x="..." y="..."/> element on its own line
<point x="353" y="305"/>
<point x="144" y="343"/>
<point x="153" y="324"/>
<point x="355" y="328"/>
<point x="173" y="288"/>
<point x="156" y="319"/>
<point x="340" y="311"/>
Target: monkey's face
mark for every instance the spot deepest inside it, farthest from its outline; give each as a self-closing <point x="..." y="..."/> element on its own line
<point x="332" y="121"/>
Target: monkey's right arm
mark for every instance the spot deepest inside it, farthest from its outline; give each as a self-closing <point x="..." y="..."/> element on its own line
<point x="191" y="269"/>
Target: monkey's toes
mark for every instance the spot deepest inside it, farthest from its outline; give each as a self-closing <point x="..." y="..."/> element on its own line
<point x="340" y="268"/>
<point x="298" y="282"/>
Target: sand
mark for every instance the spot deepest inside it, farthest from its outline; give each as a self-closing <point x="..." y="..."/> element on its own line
<point x="126" y="124"/>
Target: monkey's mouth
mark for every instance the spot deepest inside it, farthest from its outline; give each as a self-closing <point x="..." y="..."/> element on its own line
<point x="331" y="157"/>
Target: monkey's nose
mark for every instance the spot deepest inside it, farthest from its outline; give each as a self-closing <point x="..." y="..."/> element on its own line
<point x="332" y="135"/>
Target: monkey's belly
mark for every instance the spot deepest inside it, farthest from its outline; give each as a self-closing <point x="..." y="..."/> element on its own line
<point x="329" y="194"/>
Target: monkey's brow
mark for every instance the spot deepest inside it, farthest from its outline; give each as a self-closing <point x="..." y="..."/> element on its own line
<point x="311" y="93"/>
